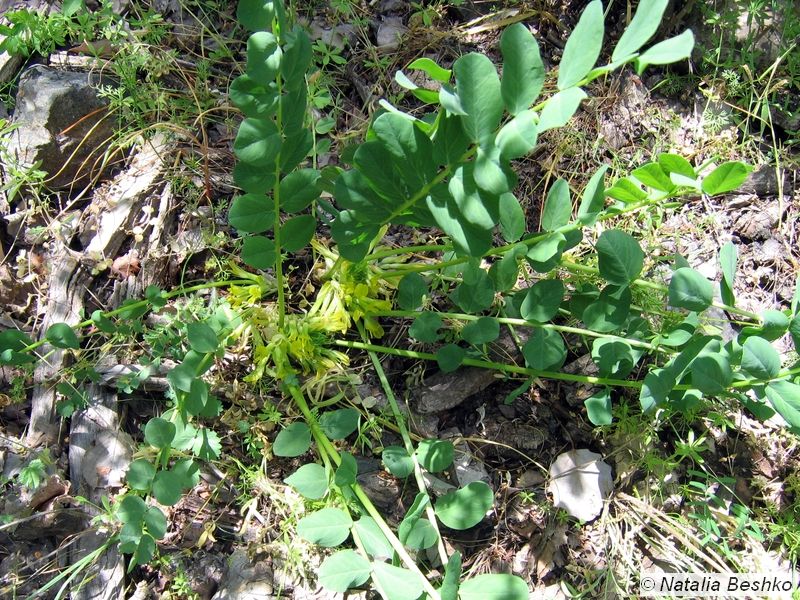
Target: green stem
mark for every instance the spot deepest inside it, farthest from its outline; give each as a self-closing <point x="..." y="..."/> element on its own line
<point x="407" y="443"/>
<point x="533" y="239"/>
<point x="141" y="303"/>
<point x="485" y="364"/>
<point x="749" y="383"/>
<point x="276" y="228"/>
<point x="588" y="379"/>
<point x="523" y="323"/>
<point x="578" y="268"/>
<point x="386" y="252"/>
<point x="325" y="445"/>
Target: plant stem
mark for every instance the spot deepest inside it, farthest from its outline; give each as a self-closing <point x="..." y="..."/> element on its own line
<point x="378" y="255"/>
<point x="276" y="198"/>
<point x="575" y="267"/>
<point x="326" y="446"/>
<point x="141" y="303"/>
<point x="524" y="323"/>
<point x="387" y="389"/>
<point x="485" y="364"/>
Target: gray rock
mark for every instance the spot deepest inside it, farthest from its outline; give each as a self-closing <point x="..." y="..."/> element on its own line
<point x="246" y="580"/>
<point x="764" y="181"/>
<point x="61" y="123"/>
<point x="580" y="481"/>
<point x="390" y="31"/>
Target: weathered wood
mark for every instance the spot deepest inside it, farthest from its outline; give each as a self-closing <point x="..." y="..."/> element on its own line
<point x="99" y="454"/>
<point x="70" y="279"/>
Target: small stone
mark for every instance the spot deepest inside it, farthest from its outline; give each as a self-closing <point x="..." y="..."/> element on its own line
<point x="529" y="479"/>
<point x="580" y="483"/>
<point x="390" y="33"/>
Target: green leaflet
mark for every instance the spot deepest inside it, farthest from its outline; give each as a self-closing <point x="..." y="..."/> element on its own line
<point x="518" y="137"/>
<point x="297" y="232"/>
<point x="257" y="143"/>
<point x="252" y="213"/>
<point x="465" y="507"/>
<point x="494" y="586"/>
<point x="523" y="71"/>
<point x="263" y="57"/>
<point x="620" y="258"/>
<point x="343" y="570"/>
<point x="328" y="527"/>
<point x="478" y="89"/>
<point x="557" y="207"/>
<point x="310" y="480"/>
<point x="561" y="107"/>
<point x="667" y="52"/>
<point x="469" y="239"/>
<point x="641" y="28"/>
<point x="512" y="218"/>
<point x="544" y="350"/>
<point x="690" y="290"/>
<point x="583" y="47"/>
<point x="726" y="178"/>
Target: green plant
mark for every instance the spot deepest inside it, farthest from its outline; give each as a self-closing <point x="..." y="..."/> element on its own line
<point x="753" y="65"/>
<point x="722" y="521"/>
<point x="450" y="170"/>
<point x="32" y="474"/>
